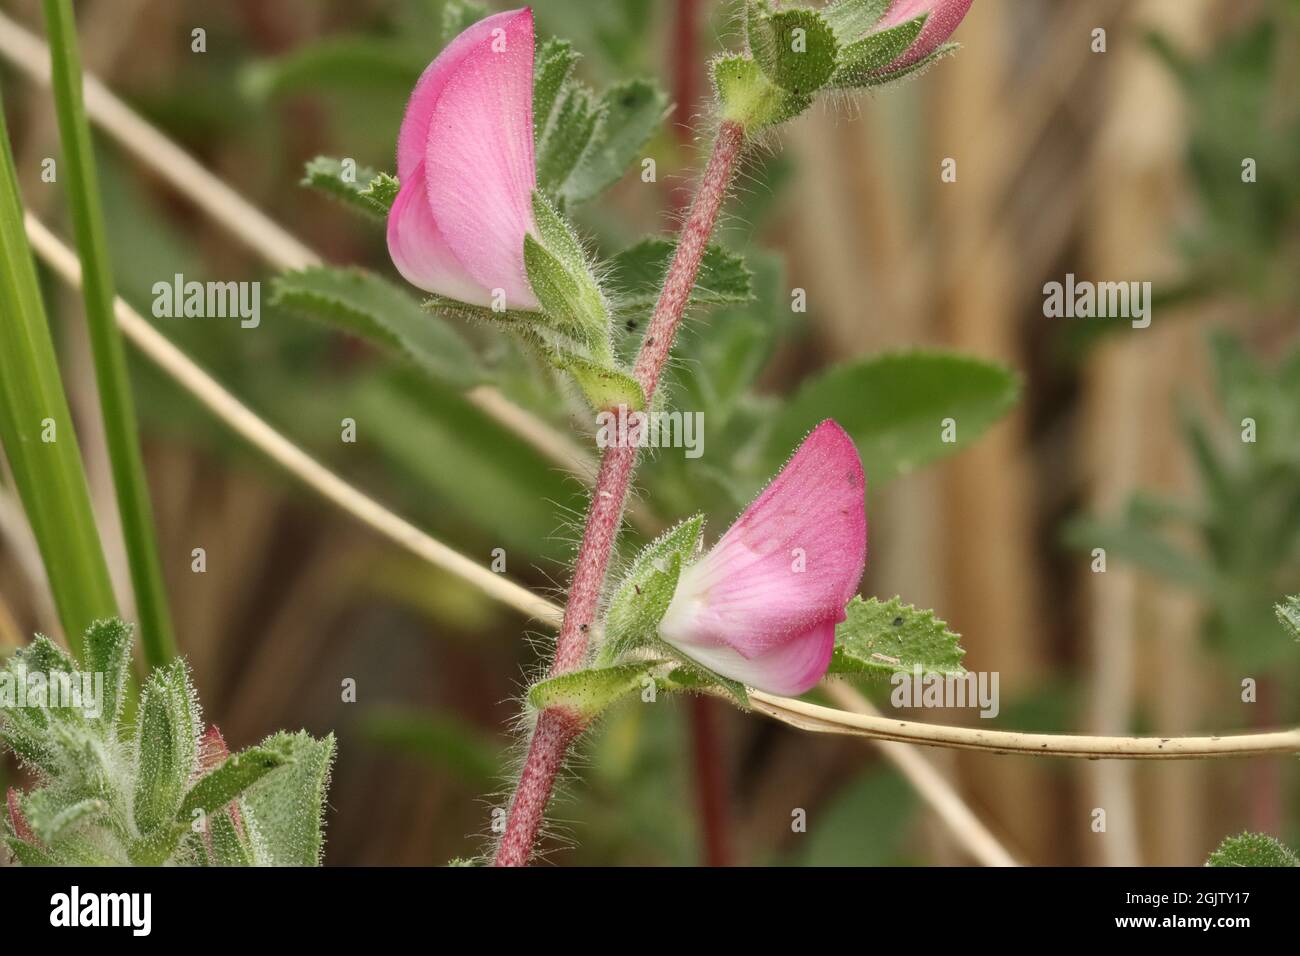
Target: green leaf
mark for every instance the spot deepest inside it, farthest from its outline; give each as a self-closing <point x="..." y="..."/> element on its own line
<point x="562" y="281"/>
<point x="116" y="402"/>
<point x="360" y="188"/>
<point x="853" y="19"/>
<point x="585" y="142"/>
<point x="346" y="63"/>
<point x="586" y="693"/>
<point x="166" y="747"/>
<point x="892" y="637"/>
<point x="551" y="70"/>
<point x="381" y="192"/>
<point x="795" y="48"/>
<point x="223" y="784"/>
<point x="28" y="854"/>
<point x="645" y="591"/>
<point x="631" y="112"/>
<point x="1252" y="849"/>
<point x="862" y="61"/>
<point x="36" y="429"/>
<point x="502" y="491"/>
<point x="1288" y="613"/>
<point x="894" y="406"/>
<point x="51" y="818"/>
<point x="636" y="276"/>
<point x="578" y="114"/>
<point x="606" y="388"/>
<point x="366" y="305"/>
<point x="287" y="805"/>
<point x="749" y="98"/>
<point x="108" y="652"/>
<point x="1140" y="547"/>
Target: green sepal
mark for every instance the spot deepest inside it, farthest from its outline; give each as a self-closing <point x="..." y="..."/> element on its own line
<point x="796" y="49"/>
<point x="166" y="747"/>
<point x="892" y="637"/>
<point x="749" y="98"/>
<point x="561" y="279"/>
<point x="691" y="676"/>
<point x="861" y="61"/>
<point x="643" y="595"/>
<point x="853" y="19"/>
<point x="605" y="387"/>
<point x="228" y="848"/>
<point x="586" y="693"/>
<point x="108" y="652"/>
<point x="1252" y="849"/>
<point x="224" y="783"/>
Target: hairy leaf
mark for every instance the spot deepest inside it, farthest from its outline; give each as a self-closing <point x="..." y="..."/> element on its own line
<point x="287" y="805"/>
<point x="1252" y="849"/>
<point x="637" y="273"/>
<point x="896" y="407"/>
<point x="364" y="304"/>
<point x="892" y="637"/>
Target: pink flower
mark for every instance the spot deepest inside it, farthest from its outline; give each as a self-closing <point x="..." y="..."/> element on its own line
<point x="944" y="17"/>
<point x="466" y="166"/>
<point x="762" y="606"/>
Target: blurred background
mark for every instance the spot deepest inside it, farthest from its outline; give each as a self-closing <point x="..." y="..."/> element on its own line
<point x="1122" y="165"/>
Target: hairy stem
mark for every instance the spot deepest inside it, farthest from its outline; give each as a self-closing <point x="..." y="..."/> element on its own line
<point x="551" y="737"/>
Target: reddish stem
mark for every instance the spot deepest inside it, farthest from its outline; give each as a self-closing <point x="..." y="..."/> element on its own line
<point x="555" y="730"/>
<point x="710" y="781"/>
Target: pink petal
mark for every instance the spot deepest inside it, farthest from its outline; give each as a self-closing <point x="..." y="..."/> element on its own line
<point x="788" y="669"/>
<point x="413" y="137"/>
<point x="945" y="16"/>
<point x="748" y="594"/>
<point x="479" y="164"/>
<point x="466" y="165"/>
<point x="419" y="250"/>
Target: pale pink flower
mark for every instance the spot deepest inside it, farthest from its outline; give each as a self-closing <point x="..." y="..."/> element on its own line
<point x="467" y="170"/>
<point x="761" y="607"/>
<point x="944" y="17"/>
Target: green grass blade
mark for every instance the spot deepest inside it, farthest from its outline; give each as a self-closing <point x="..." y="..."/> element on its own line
<point x="156" y="638"/>
<point x="49" y="475"/>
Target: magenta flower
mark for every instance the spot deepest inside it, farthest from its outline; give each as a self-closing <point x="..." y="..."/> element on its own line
<point x="762" y="606"/>
<point x="466" y="166"/>
<point x="944" y="17"/>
